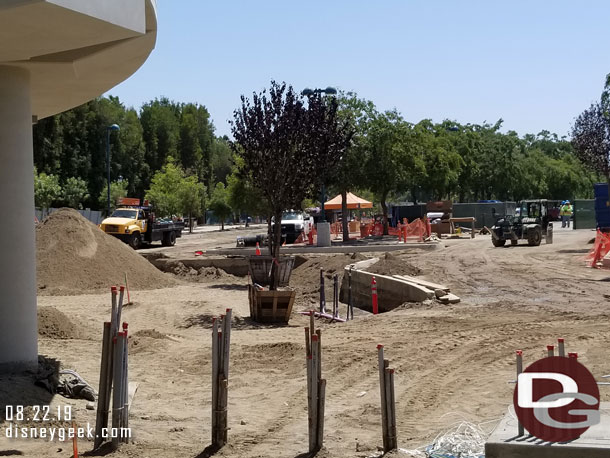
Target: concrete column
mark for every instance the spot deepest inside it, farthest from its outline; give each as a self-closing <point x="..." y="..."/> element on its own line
<point x="323" y="230"/>
<point x="18" y="321"/>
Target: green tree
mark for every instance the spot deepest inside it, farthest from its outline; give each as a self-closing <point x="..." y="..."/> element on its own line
<point x="350" y="171"/>
<point x="390" y="160"/>
<point x="192" y="197"/>
<point x="434" y="144"/>
<point x="75" y="192"/>
<point x="243" y="196"/>
<point x="219" y="204"/>
<point x="164" y="192"/>
<point x="221" y="159"/>
<point x="160" y="121"/>
<point x="46" y="190"/>
<point x="118" y="189"/>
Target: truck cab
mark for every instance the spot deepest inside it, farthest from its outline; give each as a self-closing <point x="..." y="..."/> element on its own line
<point x="127" y="224"/>
<point x="293" y="224"/>
<point x="135" y="225"/>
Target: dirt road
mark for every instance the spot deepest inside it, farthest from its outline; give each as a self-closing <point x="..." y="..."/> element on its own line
<point x="452" y="362"/>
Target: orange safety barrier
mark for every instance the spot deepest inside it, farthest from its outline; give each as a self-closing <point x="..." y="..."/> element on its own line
<point x="405" y="230"/>
<point x="378" y="229"/>
<point x="600" y="249"/>
<point x="416" y="229"/>
<point x="301" y="238"/>
<point x="365" y="230"/>
<point x="394" y="231"/>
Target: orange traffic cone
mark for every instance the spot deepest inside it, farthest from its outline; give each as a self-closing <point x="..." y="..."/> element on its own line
<point x="258" y="250"/>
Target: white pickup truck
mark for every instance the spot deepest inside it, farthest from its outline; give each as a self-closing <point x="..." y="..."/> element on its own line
<point x="294" y="223"/>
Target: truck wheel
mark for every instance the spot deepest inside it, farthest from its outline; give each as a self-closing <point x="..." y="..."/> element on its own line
<point x="169" y="239"/>
<point x="534" y="236"/>
<point x="135" y="241"/>
<point x="498" y="242"/>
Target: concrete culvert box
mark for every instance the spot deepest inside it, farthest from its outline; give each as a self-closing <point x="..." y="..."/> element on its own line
<point x="391" y="292"/>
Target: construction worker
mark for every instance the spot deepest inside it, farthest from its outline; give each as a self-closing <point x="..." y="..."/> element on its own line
<point x="566" y="213"/>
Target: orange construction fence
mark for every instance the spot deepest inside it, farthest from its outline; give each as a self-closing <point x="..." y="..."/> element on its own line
<point x="419" y="228"/>
<point x="600" y="249"/>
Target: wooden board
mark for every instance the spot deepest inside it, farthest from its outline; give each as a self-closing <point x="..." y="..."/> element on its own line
<point x="270" y="306"/>
<point x="260" y="269"/>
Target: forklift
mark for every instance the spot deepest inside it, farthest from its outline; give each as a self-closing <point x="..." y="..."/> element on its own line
<point x="530" y="223"/>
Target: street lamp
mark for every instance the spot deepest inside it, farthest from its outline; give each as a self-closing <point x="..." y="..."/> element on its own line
<point x="309" y="92"/>
<point x="328" y="91"/>
<point x="108" y="130"/>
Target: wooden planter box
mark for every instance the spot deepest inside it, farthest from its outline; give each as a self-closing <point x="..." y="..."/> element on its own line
<point x="260" y="269"/>
<point x="270" y="306"/>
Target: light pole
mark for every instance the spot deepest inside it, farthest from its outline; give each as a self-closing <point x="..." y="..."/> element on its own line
<point x="309" y="92"/>
<point x="108" y="130"/>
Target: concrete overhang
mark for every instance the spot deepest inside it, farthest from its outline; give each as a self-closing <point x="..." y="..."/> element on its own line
<point x="75" y="50"/>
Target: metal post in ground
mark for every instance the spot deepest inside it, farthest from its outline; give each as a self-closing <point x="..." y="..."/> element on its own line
<point x="117" y="406"/>
<point x="336" y="296"/>
<point x="382" y="391"/>
<point x="215" y="355"/>
<point x="101" y="419"/>
<point x="314" y="380"/>
<point x="391" y="406"/>
<point x="322" y="293"/>
<point x="519" y="370"/>
<point x="125" y="422"/>
<point x="225" y="373"/>
<point x="561" y="345"/>
<point x="350" y="309"/>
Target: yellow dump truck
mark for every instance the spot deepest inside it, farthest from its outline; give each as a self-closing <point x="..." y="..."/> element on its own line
<point x="136" y="225"/>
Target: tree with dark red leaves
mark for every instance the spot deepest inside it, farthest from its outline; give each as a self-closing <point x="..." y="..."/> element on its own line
<point x="288" y="146"/>
<point x="591" y="139"/>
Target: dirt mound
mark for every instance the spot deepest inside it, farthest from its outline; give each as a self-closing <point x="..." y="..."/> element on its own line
<point x="153" y="333"/>
<point x="75" y="257"/>
<point x="204" y="274"/>
<point x="390" y="264"/>
<point x="55" y="324"/>
<point x="305" y="279"/>
<point x="147" y="341"/>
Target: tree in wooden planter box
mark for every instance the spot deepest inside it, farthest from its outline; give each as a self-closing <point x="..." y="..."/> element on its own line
<point x="285" y="144"/>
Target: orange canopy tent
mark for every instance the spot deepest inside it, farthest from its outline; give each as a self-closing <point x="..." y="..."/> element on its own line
<point x="353" y="203"/>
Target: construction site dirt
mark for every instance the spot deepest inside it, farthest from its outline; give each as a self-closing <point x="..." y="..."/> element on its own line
<point x="453" y="362"/>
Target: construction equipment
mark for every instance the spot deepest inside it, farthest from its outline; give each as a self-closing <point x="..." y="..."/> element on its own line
<point x="530" y="223"/>
<point x="136" y="225"/>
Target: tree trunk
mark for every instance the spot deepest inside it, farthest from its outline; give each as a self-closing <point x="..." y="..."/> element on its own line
<point x="414" y="196"/>
<point x="277" y="243"/>
<point x="269" y="235"/>
<point x="190" y="223"/>
<point x="344" y="216"/>
<point x="384" y="208"/>
<point x="247" y="225"/>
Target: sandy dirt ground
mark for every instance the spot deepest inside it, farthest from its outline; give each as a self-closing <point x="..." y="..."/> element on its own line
<point x="452" y="362"/>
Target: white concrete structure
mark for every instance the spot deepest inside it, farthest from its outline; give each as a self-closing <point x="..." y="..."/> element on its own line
<point x="55" y="55"/>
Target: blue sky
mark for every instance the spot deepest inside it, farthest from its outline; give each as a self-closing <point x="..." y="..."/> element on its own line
<point x="536" y="64"/>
